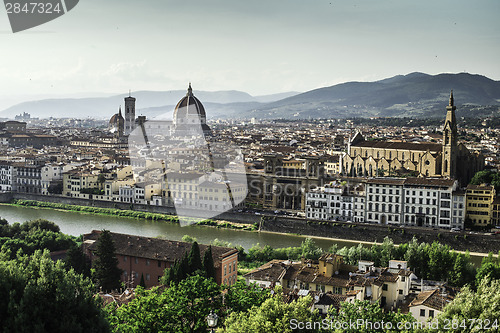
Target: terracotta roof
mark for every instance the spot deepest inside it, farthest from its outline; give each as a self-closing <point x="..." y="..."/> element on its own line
<point x="331" y="299"/>
<point x="271" y="271"/>
<point x="432" y="299"/>
<point x="156" y="248"/>
<point x="429" y="181"/>
<point x="424" y="146"/>
<point x="386" y="181"/>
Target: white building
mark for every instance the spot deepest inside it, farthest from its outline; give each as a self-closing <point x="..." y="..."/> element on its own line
<point x="384" y="197"/>
<point x="51" y="173"/>
<point x="6" y="176"/>
<point x="427" y="202"/>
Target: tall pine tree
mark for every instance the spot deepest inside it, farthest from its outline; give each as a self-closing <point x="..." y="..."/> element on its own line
<point x="208" y="263"/>
<point x="106" y="271"/>
<point x="194" y="258"/>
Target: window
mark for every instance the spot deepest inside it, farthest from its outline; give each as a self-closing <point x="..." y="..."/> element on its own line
<point x="422" y="312"/>
<point x="159" y="263"/>
<point x="136" y="260"/>
<point x="384" y="287"/>
<point x="431" y="313"/>
<point x="147" y="262"/>
<point x="148" y="277"/>
<point x="125" y="258"/>
<point x="401" y="291"/>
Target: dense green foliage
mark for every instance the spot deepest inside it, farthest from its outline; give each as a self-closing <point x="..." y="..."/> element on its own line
<point x="369" y="312"/>
<point x="189" y="265"/>
<point x="38" y="295"/>
<point x="30" y="236"/>
<point x="97" y="210"/>
<point x="429" y="261"/>
<point x="487" y="177"/>
<point x="273" y="315"/>
<point x="105" y="266"/>
<point x="183" y="307"/>
<point x="77" y="260"/>
<point x="473" y="310"/>
<point x="129" y="213"/>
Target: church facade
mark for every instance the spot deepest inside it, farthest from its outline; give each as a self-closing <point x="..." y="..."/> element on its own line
<point x="450" y="159"/>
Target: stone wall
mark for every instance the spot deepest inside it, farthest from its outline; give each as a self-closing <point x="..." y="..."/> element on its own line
<point x="461" y="241"/>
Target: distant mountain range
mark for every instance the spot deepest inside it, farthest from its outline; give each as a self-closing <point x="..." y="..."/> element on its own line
<point x="412" y="95"/>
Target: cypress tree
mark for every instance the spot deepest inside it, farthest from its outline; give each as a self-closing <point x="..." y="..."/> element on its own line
<point x="183" y="268"/>
<point x="194" y="259"/>
<point x="142" y="283"/>
<point x="106" y="271"/>
<point x="208" y="263"/>
<point x="77" y="260"/>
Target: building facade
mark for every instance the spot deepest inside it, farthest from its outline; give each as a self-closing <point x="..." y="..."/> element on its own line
<point x="449" y="159"/>
<point x="149" y="257"/>
<point x="422" y="202"/>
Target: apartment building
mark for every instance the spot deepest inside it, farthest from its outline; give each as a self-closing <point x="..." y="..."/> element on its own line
<point x="410" y="201"/>
<point x="6" y="176"/>
<point x="28" y="178"/>
<point x="479" y="199"/>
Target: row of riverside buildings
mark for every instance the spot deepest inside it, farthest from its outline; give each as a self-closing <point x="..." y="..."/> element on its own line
<point x="427" y="202"/>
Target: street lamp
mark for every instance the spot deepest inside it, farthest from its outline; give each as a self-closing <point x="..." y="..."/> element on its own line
<point x="212" y="320"/>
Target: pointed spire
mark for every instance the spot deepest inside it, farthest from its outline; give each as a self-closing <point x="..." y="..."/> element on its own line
<point x="190" y="90"/>
<point x="451" y="98"/>
<point x="120" y="111"/>
<point x="129" y="93"/>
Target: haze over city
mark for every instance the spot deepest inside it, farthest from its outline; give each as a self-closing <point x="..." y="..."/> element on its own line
<point x="258" y="47"/>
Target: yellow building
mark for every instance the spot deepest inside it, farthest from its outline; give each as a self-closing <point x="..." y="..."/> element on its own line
<point x="449" y="159"/>
<point x="496" y="212"/>
<point x="479" y="201"/>
<point x="74" y="181"/>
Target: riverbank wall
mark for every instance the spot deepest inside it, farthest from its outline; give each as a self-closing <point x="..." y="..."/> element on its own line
<point x="229" y="216"/>
<point x="461" y="241"/>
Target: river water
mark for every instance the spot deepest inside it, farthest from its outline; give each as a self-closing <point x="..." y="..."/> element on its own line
<point x="75" y="223"/>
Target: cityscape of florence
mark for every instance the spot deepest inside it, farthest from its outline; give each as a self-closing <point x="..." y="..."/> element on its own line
<point x="283" y="166"/>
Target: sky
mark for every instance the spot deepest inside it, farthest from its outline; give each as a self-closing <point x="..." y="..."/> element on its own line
<point x="258" y="46"/>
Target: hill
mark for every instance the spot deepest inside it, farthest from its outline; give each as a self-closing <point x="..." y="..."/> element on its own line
<point x="412" y="95"/>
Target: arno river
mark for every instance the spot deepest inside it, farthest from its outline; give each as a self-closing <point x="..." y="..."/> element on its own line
<point x="74" y="223"/>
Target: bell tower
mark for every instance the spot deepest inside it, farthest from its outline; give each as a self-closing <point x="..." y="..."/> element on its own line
<point x="129" y="114"/>
<point x="449" y="154"/>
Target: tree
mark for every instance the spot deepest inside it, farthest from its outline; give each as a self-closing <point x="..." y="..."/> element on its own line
<point x="39" y="295"/>
<point x="310" y="250"/>
<point x="474" y="307"/>
<point x="194" y="258"/>
<point x="463" y="271"/>
<point x="490" y="269"/>
<point x="183" y="307"/>
<point x="487" y="177"/>
<point x="77" y="260"/>
<point x="142" y="283"/>
<point x="273" y="315"/>
<point x="208" y="263"/>
<point x="188" y="239"/>
<point x="106" y="272"/>
<point x="241" y="297"/>
<point x="367" y="312"/>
